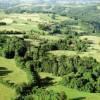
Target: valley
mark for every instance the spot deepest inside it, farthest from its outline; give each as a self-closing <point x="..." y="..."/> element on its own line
<point x="50" y="52"/>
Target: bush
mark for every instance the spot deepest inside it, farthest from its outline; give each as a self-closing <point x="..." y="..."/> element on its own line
<point x="2" y="23"/>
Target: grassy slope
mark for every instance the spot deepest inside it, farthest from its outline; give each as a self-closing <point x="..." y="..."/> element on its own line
<point x="93" y="51"/>
<point x="6" y="93"/>
<point x="23" y="23"/>
<point x="27" y="22"/>
<point x="71" y="93"/>
<point x="17" y="76"/>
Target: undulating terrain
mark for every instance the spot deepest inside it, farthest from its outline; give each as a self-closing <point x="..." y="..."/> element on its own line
<point x="49" y="50"/>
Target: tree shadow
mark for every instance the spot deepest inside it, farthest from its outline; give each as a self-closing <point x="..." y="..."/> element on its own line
<point x="4" y="71"/>
<point x="79" y="98"/>
<point x="47" y="81"/>
<point x="3" y="68"/>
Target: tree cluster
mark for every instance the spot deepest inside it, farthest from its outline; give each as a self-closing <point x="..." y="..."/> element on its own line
<point x="3" y="23"/>
<point x="5" y="32"/>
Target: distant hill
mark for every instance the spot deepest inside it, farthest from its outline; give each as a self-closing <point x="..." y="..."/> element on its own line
<point x="10" y="3"/>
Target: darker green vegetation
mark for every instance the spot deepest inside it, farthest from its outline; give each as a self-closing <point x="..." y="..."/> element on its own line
<point x="14" y="46"/>
<point x="78" y="73"/>
<point x="89" y="16"/>
<point x="4" y="71"/>
<point x="2" y="23"/>
<point x="5" y="32"/>
<point x="54" y="28"/>
<point x="38" y="59"/>
<point x="42" y="94"/>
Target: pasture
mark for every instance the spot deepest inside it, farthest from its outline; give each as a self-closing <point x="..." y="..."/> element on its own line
<point x="10" y="72"/>
<point x="28" y="22"/>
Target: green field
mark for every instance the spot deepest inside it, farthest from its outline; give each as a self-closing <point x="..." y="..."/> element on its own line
<point x="15" y="75"/>
<point x="27" y="22"/>
<point x="6" y="93"/>
<point x="93" y="50"/>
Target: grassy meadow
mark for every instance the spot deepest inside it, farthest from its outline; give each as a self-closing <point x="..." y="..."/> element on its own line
<point x="13" y="74"/>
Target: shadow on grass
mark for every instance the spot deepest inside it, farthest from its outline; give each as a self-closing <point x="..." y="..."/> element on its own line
<point x="4" y="71"/>
<point x="79" y="98"/>
<point x="3" y="68"/>
<point x="47" y="81"/>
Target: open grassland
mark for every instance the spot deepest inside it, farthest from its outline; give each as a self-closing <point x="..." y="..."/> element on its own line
<point x="78" y="28"/>
<point x="6" y="93"/>
<point x="62" y="52"/>
<point x="71" y="93"/>
<point x="28" y="22"/>
<point x="13" y="74"/>
<point x="93" y="50"/>
<point x="52" y="37"/>
<point x="16" y="75"/>
<point x="94" y="54"/>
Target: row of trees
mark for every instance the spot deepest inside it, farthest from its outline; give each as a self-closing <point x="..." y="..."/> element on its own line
<point x="42" y="94"/>
<point x="2" y="23"/>
<point x="66" y="27"/>
<point x="51" y="28"/>
<point x="14" y="46"/>
<point x="5" y="32"/>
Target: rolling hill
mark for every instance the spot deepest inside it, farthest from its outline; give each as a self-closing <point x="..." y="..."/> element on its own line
<point x="10" y="3"/>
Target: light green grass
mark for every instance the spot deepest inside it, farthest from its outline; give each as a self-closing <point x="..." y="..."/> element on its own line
<point x="52" y="37"/>
<point x="27" y="22"/>
<point x="63" y="52"/>
<point x="17" y="75"/>
<point x="44" y="75"/>
<point x="74" y="94"/>
<point x="6" y="93"/>
<point x="93" y="53"/>
<point x="93" y="50"/>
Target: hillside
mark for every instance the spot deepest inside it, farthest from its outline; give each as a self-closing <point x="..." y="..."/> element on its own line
<point x="49" y="50"/>
<point x="10" y="3"/>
